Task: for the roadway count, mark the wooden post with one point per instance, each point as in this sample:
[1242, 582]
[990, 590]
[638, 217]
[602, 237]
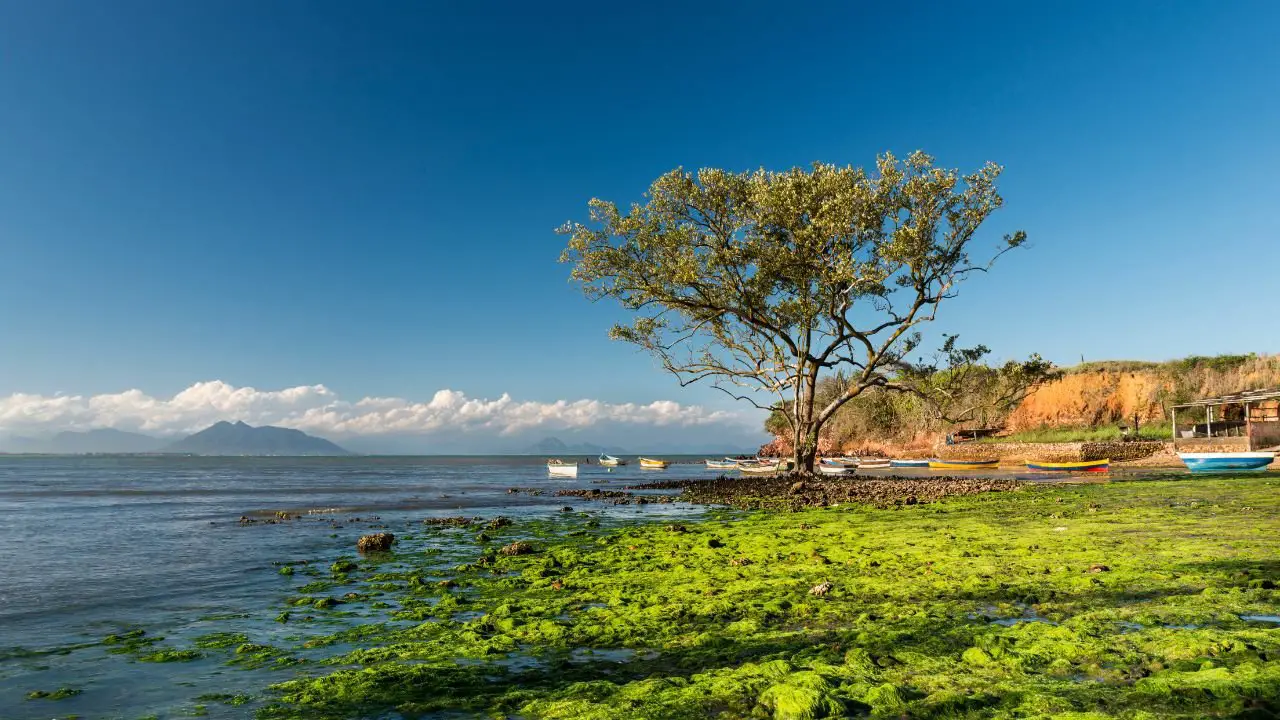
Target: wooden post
[1248, 427]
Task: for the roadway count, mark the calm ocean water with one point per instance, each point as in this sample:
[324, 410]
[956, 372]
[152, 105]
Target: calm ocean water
[91, 546]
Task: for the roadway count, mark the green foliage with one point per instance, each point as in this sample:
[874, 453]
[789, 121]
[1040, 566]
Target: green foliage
[1063, 434]
[762, 282]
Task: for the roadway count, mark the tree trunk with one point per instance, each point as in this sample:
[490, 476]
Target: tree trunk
[804, 451]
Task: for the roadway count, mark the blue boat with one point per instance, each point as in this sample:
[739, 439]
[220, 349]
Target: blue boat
[909, 463]
[1217, 462]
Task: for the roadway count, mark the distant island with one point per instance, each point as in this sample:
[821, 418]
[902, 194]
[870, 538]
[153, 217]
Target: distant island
[556, 446]
[223, 438]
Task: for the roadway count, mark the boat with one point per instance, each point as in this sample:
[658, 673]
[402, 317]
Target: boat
[874, 464]
[765, 468]
[1085, 466]
[721, 464]
[909, 463]
[651, 464]
[559, 468]
[963, 464]
[836, 466]
[610, 461]
[836, 469]
[1212, 462]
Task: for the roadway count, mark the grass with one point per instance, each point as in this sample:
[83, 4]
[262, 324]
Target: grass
[1135, 599]
[1106, 433]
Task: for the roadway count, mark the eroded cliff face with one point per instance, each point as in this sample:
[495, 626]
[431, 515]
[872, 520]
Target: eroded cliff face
[1093, 398]
[1100, 394]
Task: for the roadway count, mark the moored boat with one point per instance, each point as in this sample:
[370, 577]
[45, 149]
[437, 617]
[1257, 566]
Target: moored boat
[559, 468]
[1085, 466]
[1212, 462]
[963, 464]
[610, 461]
[836, 470]
[909, 463]
[765, 468]
[652, 464]
[721, 464]
[836, 466]
[874, 463]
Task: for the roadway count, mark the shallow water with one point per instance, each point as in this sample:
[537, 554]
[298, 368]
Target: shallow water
[91, 546]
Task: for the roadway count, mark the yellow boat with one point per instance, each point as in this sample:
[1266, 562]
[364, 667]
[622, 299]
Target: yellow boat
[963, 464]
[1086, 466]
[651, 464]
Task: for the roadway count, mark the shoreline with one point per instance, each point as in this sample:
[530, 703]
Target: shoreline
[1119, 598]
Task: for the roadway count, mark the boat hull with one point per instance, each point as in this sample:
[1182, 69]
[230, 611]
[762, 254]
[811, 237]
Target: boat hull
[563, 470]
[760, 469]
[963, 464]
[837, 470]
[721, 465]
[874, 464]
[1219, 462]
[650, 464]
[1086, 466]
[909, 463]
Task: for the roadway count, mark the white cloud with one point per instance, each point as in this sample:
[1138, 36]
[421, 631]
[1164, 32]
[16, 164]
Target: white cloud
[317, 409]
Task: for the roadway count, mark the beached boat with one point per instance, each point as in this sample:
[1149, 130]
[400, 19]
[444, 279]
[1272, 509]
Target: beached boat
[610, 461]
[909, 463]
[763, 468]
[837, 469]
[874, 463]
[836, 466]
[721, 464]
[963, 464]
[652, 464]
[1212, 462]
[559, 468]
[1085, 466]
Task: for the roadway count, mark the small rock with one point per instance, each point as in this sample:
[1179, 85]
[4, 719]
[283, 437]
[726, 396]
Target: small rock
[520, 547]
[377, 542]
[1097, 568]
[821, 589]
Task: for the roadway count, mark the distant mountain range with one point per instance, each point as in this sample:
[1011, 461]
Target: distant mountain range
[226, 438]
[222, 438]
[556, 446]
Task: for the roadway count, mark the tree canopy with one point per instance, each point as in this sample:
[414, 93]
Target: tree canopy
[763, 281]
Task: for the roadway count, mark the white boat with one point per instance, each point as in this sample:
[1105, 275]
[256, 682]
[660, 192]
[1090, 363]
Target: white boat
[559, 468]
[837, 466]
[610, 461]
[826, 469]
[874, 463]
[721, 464]
[760, 468]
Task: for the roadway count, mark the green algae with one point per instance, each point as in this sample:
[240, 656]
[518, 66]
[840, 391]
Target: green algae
[1117, 600]
[168, 656]
[61, 693]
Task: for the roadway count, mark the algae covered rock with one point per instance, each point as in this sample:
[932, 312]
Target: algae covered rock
[821, 589]
[377, 542]
[520, 547]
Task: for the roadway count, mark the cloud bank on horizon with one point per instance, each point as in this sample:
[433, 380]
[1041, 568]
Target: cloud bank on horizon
[318, 410]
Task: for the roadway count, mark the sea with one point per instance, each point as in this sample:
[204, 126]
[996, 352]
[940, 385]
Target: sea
[92, 546]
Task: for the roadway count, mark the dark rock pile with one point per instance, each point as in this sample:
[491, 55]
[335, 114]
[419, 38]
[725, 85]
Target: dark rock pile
[785, 492]
[377, 542]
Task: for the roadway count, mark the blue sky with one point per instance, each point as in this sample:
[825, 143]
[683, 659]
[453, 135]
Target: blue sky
[363, 195]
